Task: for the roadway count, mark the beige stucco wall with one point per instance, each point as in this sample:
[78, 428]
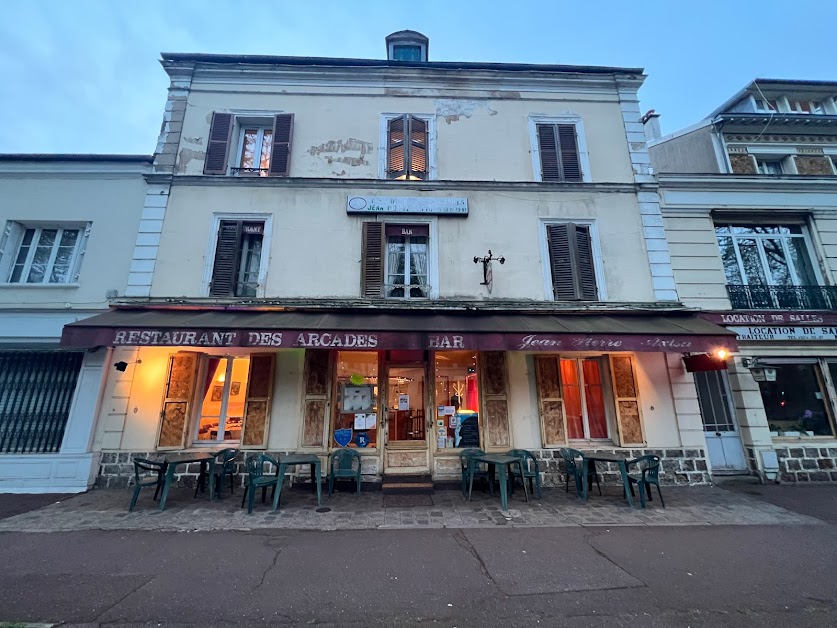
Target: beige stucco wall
[316, 247]
[480, 135]
[112, 203]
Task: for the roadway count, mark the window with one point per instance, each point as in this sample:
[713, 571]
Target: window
[571, 262]
[263, 149]
[395, 260]
[42, 254]
[765, 255]
[222, 399]
[407, 53]
[357, 394]
[805, 106]
[584, 401]
[237, 264]
[254, 152]
[795, 403]
[408, 151]
[558, 152]
[770, 166]
[457, 400]
[766, 105]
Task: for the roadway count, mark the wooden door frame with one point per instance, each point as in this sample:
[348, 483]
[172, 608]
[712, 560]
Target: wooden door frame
[403, 445]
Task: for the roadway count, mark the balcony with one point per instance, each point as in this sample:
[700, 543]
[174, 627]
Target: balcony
[783, 297]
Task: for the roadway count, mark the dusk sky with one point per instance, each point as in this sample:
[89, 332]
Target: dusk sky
[82, 76]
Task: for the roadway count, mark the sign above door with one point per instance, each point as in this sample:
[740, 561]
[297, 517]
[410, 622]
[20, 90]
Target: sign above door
[428, 205]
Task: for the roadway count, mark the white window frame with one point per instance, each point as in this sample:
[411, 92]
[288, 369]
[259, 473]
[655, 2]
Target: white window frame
[432, 256]
[809, 250]
[264, 262]
[583, 156]
[12, 239]
[383, 143]
[261, 128]
[546, 266]
[225, 400]
[241, 120]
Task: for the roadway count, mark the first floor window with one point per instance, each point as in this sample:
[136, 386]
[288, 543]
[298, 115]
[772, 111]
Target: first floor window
[256, 144]
[571, 262]
[395, 260]
[797, 401]
[584, 398]
[238, 257]
[224, 389]
[43, 255]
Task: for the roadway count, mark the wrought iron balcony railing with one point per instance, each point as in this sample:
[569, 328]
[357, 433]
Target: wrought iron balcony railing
[783, 297]
[249, 172]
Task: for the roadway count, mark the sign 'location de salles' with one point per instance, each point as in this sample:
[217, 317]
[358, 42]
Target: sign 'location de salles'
[407, 205]
[777, 332]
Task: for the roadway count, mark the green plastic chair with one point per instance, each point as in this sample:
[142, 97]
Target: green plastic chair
[530, 471]
[256, 478]
[465, 464]
[576, 468]
[224, 465]
[341, 464]
[147, 473]
[649, 473]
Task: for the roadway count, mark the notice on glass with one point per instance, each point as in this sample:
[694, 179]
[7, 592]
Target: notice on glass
[441, 442]
[365, 421]
[403, 402]
[441, 411]
[453, 421]
[450, 410]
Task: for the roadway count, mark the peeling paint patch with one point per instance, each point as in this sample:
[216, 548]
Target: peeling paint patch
[452, 109]
[194, 140]
[351, 152]
[186, 156]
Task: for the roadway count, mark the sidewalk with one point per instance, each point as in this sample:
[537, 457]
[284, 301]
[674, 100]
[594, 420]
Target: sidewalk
[107, 509]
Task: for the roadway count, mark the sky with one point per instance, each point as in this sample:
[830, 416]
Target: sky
[82, 76]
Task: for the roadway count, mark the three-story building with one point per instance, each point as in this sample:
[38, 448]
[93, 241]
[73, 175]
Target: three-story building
[406, 257]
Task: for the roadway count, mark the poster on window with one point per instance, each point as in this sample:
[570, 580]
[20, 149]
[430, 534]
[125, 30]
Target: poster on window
[357, 399]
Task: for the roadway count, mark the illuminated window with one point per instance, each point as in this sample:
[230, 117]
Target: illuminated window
[223, 396]
[408, 147]
[457, 400]
[356, 411]
[254, 154]
[584, 398]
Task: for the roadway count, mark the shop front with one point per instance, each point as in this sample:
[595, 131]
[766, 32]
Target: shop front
[408, 390]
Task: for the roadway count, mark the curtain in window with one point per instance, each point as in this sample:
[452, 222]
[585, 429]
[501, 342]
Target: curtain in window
[594, 397]
[395, 265]
[571, 392]
[418, 261]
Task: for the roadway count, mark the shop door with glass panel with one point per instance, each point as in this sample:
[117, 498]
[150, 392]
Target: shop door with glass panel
[584, 405]
[406, 448]
[723, 441]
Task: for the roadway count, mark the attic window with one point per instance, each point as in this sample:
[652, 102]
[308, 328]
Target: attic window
[407, 46]
[406, 53]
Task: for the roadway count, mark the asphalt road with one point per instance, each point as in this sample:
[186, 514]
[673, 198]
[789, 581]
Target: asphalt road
[695, 576]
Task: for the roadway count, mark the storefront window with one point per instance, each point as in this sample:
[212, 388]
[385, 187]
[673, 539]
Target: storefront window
[796, 401]
[457, 400]
[356, 417]
[581, 383]
[223, 395]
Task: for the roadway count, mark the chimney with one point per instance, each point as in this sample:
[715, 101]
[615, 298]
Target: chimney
[651, 122]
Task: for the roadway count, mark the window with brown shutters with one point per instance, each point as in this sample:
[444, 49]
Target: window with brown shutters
[571, 262]
[280, 155]
[559, 155]
[218, 146]
[394, 260]
[407, 148]
[238, 255]
[372, 262]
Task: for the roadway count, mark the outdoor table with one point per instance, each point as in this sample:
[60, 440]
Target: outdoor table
[621, 462]
[174, 460]
[503, 462]
[291, 460]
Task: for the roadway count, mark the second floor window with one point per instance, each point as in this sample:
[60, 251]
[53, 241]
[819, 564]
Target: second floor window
[262, 149]
[238, 257]
[774, 255]
[571, 262]
[395, 261]
[558, 150]
[42, 255]
[256, 144]
[407, 148]
[770, 166]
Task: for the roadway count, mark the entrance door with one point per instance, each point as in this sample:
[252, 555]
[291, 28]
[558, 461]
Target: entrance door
[723, 441]
[406, 427]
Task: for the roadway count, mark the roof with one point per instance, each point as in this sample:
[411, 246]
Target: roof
[76, 157]
[188, 57]
[744, 91]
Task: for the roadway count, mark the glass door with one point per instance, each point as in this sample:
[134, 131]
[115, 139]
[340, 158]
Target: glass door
[406, 419]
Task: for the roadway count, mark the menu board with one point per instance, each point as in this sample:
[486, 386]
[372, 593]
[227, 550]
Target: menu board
[468, 431]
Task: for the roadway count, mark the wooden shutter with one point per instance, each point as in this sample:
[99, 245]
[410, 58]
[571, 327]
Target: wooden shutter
[280, 154]
[558, 148]
[568, 143]
[571, 262]
[626, 393]
[397, 148]
[259, 400]
[177, 405]
[227, 254]
[493, 384]
[372, 262]
[550, 401]
[315, 404]
[218, 147]
[418, 147]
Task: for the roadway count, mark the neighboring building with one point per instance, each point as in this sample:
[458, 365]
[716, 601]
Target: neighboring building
[749, 198]
[309, 271]
[68, 225]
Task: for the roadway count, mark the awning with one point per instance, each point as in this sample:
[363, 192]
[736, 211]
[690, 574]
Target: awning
[486, 331]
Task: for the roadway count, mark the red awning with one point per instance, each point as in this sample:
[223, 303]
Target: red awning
[364, 330]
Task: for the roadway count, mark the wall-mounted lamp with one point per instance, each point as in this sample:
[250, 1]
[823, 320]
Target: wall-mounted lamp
[487, 274]
[122, 366]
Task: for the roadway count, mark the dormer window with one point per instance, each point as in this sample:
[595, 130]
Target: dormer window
[407, 46]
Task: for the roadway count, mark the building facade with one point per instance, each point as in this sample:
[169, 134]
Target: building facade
[403, 256]
[749, 197]
[68, 225]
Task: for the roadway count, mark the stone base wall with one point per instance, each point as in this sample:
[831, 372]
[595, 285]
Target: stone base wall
[807, 464]
[679, 466]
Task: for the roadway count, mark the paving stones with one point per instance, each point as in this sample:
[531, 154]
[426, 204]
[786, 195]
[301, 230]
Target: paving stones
[106, 509]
